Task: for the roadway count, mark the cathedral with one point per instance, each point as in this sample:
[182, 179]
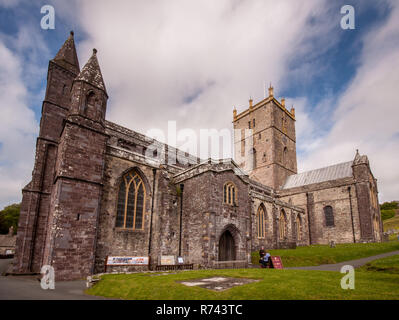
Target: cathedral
[99, 189]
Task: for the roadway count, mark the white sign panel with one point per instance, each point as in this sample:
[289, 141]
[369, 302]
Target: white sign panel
[127, 261]
[167, 260]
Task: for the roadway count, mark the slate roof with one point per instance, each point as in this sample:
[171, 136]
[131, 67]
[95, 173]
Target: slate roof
[7, 241]
[334, 172]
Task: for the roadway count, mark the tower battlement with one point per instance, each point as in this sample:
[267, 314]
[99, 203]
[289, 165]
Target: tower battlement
[266, 145]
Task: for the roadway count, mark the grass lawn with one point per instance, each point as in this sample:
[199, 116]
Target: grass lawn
[274, 284]
[387, 265]
[323, 254]
[392, 223]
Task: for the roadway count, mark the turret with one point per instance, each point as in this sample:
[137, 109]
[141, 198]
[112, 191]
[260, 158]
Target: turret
[89, 95]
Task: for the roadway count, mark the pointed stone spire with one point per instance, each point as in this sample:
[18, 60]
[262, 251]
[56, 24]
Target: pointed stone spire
[91, 73]
[67, 57]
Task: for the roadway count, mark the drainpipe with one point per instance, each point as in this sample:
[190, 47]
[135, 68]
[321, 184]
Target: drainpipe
[181, 216]
[154, 173]
[350, 204]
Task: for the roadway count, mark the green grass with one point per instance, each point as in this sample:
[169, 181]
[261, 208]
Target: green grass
[273, 284]
[323, 254]
[387, 214]
[392, 223]
[393, 237]
[387, 265]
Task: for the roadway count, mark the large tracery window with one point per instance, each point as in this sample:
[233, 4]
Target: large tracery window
[131, 198]
[260, 217]
[229, 193]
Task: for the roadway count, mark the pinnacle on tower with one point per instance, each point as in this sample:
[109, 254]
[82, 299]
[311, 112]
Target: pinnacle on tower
[67, 57]
[270, 90]
[91, 73]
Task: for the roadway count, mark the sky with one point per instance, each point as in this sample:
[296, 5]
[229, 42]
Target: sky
[194, 61]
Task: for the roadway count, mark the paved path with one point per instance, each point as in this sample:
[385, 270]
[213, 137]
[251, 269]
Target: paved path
[355, 263]
[4, 263]
[28, 288]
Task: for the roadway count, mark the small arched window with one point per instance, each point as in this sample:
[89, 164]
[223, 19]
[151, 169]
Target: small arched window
[65, 90]
[253, 154]
[282, 225]
[131, 202]
[284, 124]
[285, 153]
[260, 218]
[298, 228]
[90, 100]
[229, 193]
[329, 216]
[91, 97]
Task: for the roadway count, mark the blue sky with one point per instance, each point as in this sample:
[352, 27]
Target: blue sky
[192, 62]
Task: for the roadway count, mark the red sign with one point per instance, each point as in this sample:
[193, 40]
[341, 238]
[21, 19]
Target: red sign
[276, 262]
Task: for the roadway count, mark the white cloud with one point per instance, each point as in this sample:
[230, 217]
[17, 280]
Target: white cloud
[192, 61]
[366, 117]
[18, 129]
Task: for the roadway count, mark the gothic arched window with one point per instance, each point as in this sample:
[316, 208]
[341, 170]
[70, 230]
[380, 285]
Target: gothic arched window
[229, 193]
[65, 90]
[329, 216]
[285, 152]
[90, 99]
[131, 202]
[254, 163]
[260, 218]
[298, 228]
[282, 225]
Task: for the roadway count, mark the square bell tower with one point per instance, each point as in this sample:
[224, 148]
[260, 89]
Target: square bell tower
[265, 141]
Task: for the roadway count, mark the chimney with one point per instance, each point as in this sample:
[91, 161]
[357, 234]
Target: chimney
[11, 231]
[283, 102]
[250, 102]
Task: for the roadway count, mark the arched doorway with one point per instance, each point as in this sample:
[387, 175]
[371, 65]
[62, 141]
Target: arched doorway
[227, 248]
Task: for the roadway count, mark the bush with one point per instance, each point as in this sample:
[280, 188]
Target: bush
[387, 214]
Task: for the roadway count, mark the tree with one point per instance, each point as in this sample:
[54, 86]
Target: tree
[389, 205]
[9, 217]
